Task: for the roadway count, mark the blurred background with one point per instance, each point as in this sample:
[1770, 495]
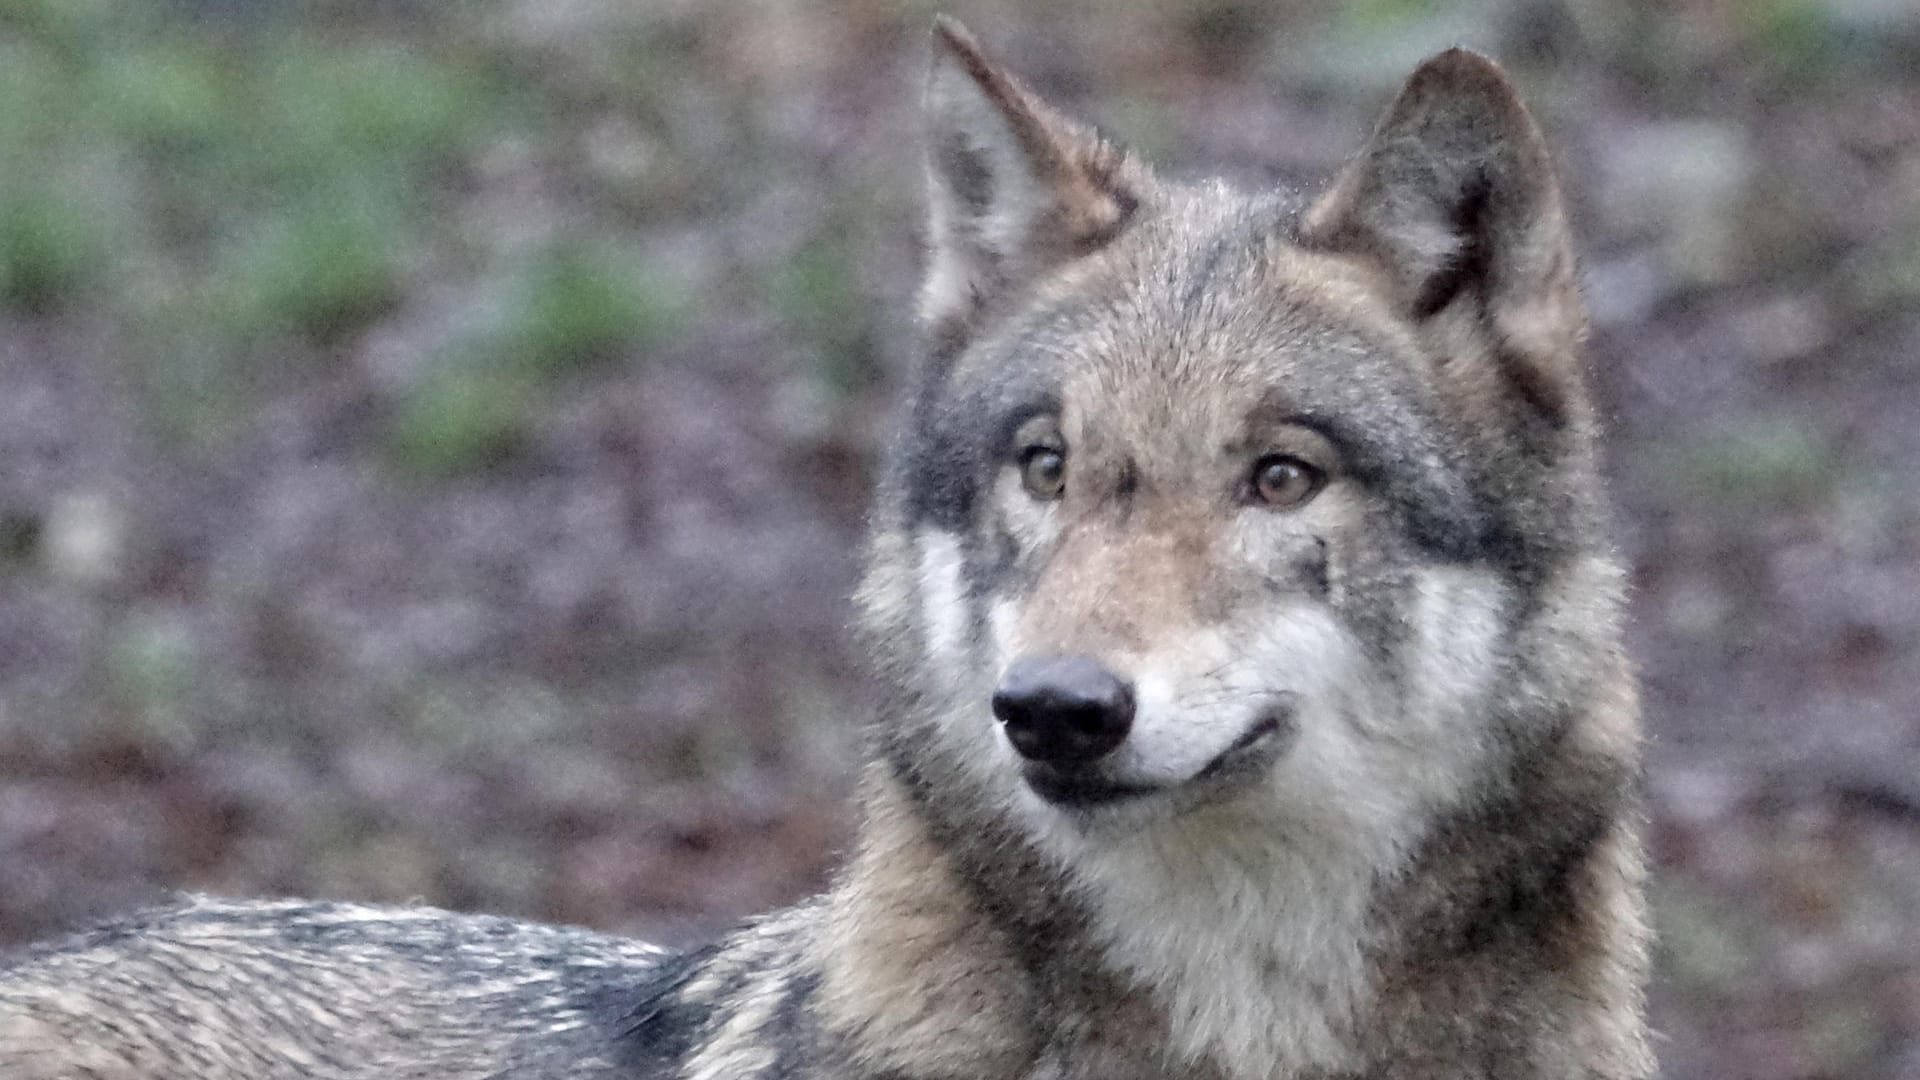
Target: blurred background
[434, 439]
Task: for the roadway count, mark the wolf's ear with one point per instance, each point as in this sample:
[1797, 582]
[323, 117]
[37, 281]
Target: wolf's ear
[1014, 188]
[1455, 201]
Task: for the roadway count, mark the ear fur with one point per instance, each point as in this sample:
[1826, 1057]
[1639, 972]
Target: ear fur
[1454, 201]
[1014, 188]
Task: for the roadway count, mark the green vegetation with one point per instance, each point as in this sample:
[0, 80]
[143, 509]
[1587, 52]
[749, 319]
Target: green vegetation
[249, 201]
[458, 420]
[1801, 38]
[1385, 14]
[325, 269]
[818, 292]
[577, 305]
[51, 247]
[1757, 464]
[570, 307]
[248, 205]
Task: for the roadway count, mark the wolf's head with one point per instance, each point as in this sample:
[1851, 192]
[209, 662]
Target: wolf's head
[1211, 499]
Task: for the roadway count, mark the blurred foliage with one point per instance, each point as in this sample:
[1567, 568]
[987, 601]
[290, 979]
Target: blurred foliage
[818, 291]
[151, 669]
[50, 248]
[573, 306]
[578, 305]
[457, 420]
[1771, 462]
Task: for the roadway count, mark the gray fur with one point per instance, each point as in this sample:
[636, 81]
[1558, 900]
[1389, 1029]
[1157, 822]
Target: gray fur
[1430, 870]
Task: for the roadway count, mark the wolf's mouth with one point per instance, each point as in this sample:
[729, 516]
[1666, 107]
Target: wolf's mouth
[1248, 755]
[1082, 789]
[1254, 750]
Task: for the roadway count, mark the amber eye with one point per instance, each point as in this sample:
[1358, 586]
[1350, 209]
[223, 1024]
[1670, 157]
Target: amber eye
[1285, 482]
[1043, 471]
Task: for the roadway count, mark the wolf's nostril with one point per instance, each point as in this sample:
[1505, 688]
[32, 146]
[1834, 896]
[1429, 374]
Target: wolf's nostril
[1063, 710]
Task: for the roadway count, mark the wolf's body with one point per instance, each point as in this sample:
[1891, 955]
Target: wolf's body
[1270, 534]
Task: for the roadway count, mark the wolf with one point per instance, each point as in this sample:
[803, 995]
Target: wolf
[1254, 698]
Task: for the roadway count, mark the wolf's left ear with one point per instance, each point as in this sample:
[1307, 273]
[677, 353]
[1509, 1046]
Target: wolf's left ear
[1015, 189]
[1455, 201]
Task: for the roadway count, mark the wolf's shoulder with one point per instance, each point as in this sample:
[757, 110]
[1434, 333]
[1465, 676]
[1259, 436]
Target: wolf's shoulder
[337, 989]
[288, 929]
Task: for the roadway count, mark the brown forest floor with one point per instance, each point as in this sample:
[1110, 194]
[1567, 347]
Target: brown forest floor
[433, 448]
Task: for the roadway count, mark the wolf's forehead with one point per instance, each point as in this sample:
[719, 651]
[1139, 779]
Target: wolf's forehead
[1207, 308]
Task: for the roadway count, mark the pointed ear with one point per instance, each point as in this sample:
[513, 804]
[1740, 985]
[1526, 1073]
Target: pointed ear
[1014, 188]
[1455, 202]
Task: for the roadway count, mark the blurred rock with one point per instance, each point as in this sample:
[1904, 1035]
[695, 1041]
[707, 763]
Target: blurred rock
[1682, 185]
[1782, 327]
[84, 540]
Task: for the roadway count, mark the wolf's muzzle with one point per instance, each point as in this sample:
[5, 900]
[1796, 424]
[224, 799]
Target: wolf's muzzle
[1063, 710]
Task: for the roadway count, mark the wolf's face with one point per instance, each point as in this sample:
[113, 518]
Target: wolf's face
[1183, 512]
[1220, 500]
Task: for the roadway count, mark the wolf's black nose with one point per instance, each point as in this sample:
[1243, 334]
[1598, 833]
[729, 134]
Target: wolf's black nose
[1063, 710]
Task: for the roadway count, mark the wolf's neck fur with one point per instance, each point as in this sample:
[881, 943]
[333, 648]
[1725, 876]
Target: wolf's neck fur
[1462, 956]
[1224, 964]
[1214, 966]
[1252, 948]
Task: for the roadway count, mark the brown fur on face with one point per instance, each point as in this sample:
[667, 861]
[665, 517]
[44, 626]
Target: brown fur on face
[1434, 273]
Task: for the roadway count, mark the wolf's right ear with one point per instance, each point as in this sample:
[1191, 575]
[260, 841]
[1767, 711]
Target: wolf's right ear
[1014, 189]
[1454, 200]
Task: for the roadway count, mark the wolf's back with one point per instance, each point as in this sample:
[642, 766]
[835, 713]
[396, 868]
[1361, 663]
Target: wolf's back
[210, 990]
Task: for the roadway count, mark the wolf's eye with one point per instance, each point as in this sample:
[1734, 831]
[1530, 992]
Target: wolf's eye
[1284, 482]
[1043, 471]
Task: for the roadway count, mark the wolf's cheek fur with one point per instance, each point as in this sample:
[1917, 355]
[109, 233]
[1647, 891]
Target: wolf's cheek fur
[1259, 632]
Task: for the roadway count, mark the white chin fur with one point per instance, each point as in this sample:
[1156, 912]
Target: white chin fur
[1247, 916]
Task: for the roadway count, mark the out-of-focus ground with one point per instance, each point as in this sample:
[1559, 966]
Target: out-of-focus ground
[434, 438]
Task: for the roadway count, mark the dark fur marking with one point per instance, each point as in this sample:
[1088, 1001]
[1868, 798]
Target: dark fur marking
[790, 1029]
[1439, 513]
[1534, 894]
[1128, 482]
[1200, 278]
[938, 480]
[1561, 807]
[1455, 534]
[950, 456]
[1001, 556]
[947, 339]
[1543, 393]
[1512, 550]
[1470, 265]
[1313, 569]
[656, 1029]
[967, 173]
